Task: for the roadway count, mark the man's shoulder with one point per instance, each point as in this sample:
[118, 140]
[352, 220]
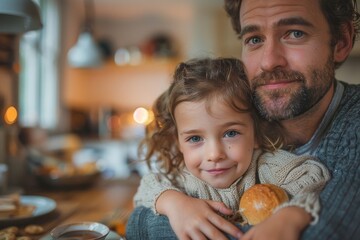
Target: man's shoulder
[350, 103]
[341, 139]
[351, 91]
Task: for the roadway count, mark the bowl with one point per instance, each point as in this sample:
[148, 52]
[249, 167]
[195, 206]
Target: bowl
[68, 181]
[80, 231]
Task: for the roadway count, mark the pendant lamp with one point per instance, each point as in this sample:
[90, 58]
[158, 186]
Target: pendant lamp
[86, 53]
[18, 16]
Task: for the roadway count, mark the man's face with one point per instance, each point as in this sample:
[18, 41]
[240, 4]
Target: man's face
[287, 54]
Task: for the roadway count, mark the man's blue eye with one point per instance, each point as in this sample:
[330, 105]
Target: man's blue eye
[297, 34]
[255, 40]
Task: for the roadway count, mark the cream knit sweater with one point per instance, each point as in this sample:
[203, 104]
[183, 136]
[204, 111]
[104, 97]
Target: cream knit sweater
[302, 177]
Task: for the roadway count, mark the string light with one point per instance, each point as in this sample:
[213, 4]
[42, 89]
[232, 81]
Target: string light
[10, 115]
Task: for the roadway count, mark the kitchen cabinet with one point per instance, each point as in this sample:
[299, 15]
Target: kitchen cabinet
[123, 87]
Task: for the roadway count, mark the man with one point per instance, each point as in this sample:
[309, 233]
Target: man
[291, 49]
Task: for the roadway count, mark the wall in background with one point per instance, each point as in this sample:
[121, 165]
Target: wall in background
[198, 28]
[350, 70]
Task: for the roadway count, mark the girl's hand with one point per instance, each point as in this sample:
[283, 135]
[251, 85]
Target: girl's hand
[193, 218]
[285, 224]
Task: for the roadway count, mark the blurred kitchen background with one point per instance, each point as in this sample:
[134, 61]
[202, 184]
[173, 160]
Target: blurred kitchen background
[80, 88]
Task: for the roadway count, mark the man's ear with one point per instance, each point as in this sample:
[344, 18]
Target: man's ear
[345, 44]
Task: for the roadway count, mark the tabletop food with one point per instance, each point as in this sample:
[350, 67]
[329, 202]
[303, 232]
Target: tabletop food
[11, 207]
[65, 175]
[16, 233]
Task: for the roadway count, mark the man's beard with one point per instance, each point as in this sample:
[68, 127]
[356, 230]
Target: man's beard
[273, 106]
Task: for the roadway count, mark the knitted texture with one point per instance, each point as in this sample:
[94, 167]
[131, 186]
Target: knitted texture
[339, 150]
[300, 176]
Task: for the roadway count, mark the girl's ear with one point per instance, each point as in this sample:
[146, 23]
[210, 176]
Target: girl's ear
[344, 45]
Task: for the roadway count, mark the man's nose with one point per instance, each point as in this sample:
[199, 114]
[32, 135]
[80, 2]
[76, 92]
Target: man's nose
[273, 56]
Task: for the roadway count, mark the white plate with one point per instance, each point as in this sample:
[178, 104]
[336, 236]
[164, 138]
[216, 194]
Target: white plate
[43, 206]
[111, 236]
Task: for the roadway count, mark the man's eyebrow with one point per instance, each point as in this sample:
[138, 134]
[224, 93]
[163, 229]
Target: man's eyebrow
[294, 21]
[248, 29]
[283, 22]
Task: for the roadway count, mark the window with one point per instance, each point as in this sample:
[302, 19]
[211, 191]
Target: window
[39, 75]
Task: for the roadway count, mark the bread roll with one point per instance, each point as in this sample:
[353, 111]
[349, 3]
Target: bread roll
[10, 207]
[259, 201]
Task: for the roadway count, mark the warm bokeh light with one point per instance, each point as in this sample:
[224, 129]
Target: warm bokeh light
[141, 115]
[10, 115]
[151, 117]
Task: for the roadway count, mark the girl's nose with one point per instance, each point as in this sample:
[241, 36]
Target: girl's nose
[215, 152]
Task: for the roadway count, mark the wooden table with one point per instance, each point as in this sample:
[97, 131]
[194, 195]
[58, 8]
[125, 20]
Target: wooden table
[95, 203]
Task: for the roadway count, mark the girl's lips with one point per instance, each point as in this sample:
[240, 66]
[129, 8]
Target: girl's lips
[217, 171]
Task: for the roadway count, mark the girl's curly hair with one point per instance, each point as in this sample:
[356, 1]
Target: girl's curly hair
[206, 79]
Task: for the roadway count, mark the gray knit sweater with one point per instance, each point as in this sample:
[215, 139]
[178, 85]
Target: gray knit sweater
[302, 177]
[339, 150]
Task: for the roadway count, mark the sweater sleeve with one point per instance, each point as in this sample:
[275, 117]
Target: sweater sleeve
[302, 177]
[152, 185]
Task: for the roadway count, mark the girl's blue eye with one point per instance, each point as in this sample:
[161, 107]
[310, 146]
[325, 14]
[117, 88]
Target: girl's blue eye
[194, 139]
[231, 133]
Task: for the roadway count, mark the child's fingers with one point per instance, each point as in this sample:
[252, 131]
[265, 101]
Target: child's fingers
[220, 207]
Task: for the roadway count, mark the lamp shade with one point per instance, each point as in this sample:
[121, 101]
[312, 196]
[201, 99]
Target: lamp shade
[85, 53]
[17, 16]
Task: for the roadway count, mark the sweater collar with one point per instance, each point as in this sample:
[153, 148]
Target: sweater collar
[310, 146]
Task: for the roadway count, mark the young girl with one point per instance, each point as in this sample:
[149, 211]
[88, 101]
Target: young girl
[208, 142]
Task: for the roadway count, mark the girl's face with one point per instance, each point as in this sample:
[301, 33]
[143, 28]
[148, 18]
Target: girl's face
[217, 145]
